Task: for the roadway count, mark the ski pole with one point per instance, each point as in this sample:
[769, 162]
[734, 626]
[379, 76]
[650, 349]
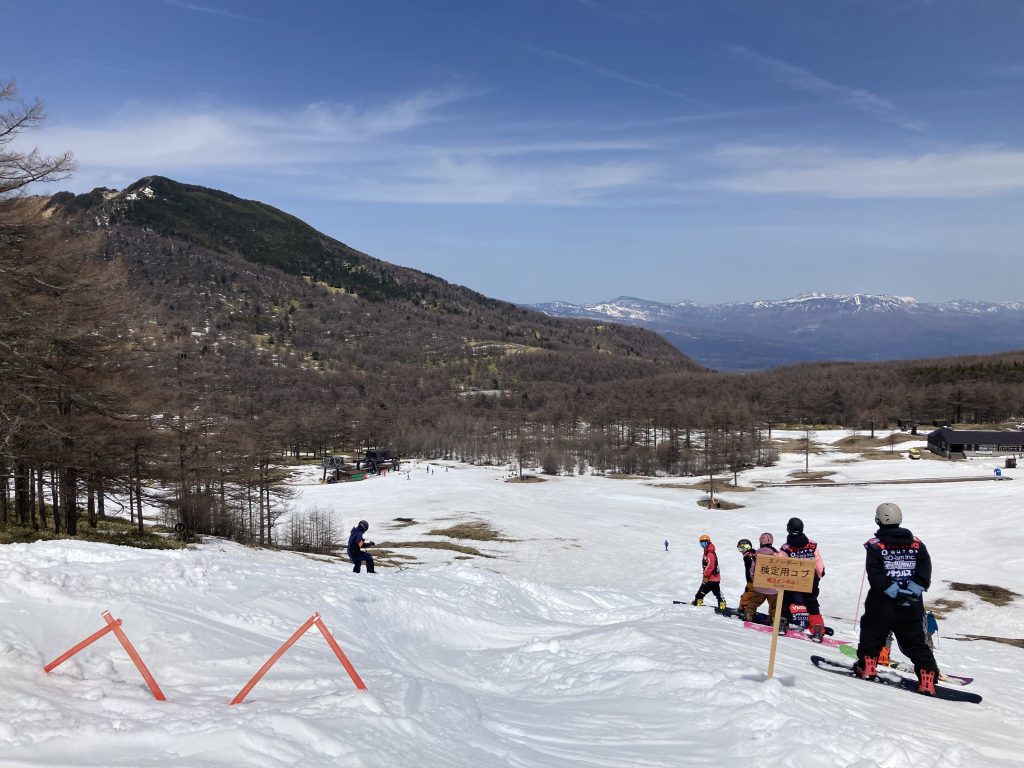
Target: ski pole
[860, 592]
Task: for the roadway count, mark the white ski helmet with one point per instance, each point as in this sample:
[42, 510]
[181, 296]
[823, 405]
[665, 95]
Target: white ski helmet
[888, 514]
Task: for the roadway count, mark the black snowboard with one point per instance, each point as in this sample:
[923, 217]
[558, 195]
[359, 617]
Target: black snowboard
[734, 613]
[886, 677]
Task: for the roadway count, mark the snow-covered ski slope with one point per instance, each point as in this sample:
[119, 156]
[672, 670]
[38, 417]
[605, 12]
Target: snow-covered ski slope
[562, 649]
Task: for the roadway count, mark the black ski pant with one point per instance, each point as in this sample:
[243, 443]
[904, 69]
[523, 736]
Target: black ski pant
[903, 621]
[809, 599]
[713, 587]
[362, 557]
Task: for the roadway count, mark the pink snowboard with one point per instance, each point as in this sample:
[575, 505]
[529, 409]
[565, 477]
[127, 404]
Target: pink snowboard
[799, 634]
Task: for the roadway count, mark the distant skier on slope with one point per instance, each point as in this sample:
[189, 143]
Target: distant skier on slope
[710, 578]
[899, 570]
[799, 546]
[355, 548]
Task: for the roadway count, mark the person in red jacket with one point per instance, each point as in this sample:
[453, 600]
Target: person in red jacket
[711, 578]
[798, 545]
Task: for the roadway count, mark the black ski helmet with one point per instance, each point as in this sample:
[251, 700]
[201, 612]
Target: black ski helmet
[363, 526]
[744, 545]
[795, 525]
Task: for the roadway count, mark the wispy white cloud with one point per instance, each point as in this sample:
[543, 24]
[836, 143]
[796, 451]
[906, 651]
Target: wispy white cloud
[802, 80]
[214, 11]
[471, 180]
[388, 152]
[962, 173]
[612, 74]
[1009, 70]
[186, 136]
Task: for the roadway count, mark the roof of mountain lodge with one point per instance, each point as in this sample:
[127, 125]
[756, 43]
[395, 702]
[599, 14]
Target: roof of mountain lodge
[977, 436]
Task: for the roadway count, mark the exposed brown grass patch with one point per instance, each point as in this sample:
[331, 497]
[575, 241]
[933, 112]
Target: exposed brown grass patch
[860, 443]
[402, 522]
[987, 592]
[816, 475]
[944, 606]
[477, 531]
[526, 479]
[1017, 642]
[430, 545]
[321, 558]
[107, 531]
[718, 504]
[856, 443]
[884, 455]
[706, 487]
[796, 445]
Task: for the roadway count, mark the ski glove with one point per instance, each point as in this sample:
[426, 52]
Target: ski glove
[893, 590]
[912, 589]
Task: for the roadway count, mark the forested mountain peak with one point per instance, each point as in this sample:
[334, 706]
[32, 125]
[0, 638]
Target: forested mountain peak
[259, 233]
[241, 273]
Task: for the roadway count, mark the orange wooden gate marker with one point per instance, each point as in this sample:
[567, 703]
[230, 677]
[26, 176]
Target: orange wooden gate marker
[113, 625]
[314, 619]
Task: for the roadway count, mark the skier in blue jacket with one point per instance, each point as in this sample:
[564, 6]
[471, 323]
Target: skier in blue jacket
[355, 548]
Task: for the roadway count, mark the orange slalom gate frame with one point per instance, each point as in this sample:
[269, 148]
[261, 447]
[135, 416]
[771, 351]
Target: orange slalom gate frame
[113, 625]
[314, 619]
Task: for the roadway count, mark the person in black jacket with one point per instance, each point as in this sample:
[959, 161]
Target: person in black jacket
[799, 546]
[355, 548]
[899, 571]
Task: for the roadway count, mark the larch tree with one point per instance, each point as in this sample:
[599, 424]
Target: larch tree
[61, 325]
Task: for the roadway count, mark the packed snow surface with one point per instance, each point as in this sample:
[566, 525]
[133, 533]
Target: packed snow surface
[561, 647]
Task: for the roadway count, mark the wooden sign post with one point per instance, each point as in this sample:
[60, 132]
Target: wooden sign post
[780, 572]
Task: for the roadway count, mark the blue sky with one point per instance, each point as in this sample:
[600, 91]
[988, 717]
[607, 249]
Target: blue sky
[576, 150]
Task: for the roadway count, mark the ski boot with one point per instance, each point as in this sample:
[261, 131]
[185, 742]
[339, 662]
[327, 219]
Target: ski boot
[783, 625]
[816, 627]
[721, 605]
[883, 656]
[697, 602]
[870, 669]
[926, 682]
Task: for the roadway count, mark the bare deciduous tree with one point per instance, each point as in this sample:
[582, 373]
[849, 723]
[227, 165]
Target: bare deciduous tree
[18, 169]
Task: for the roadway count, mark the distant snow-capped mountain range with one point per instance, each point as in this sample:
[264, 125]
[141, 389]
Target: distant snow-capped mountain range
[814, 326]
